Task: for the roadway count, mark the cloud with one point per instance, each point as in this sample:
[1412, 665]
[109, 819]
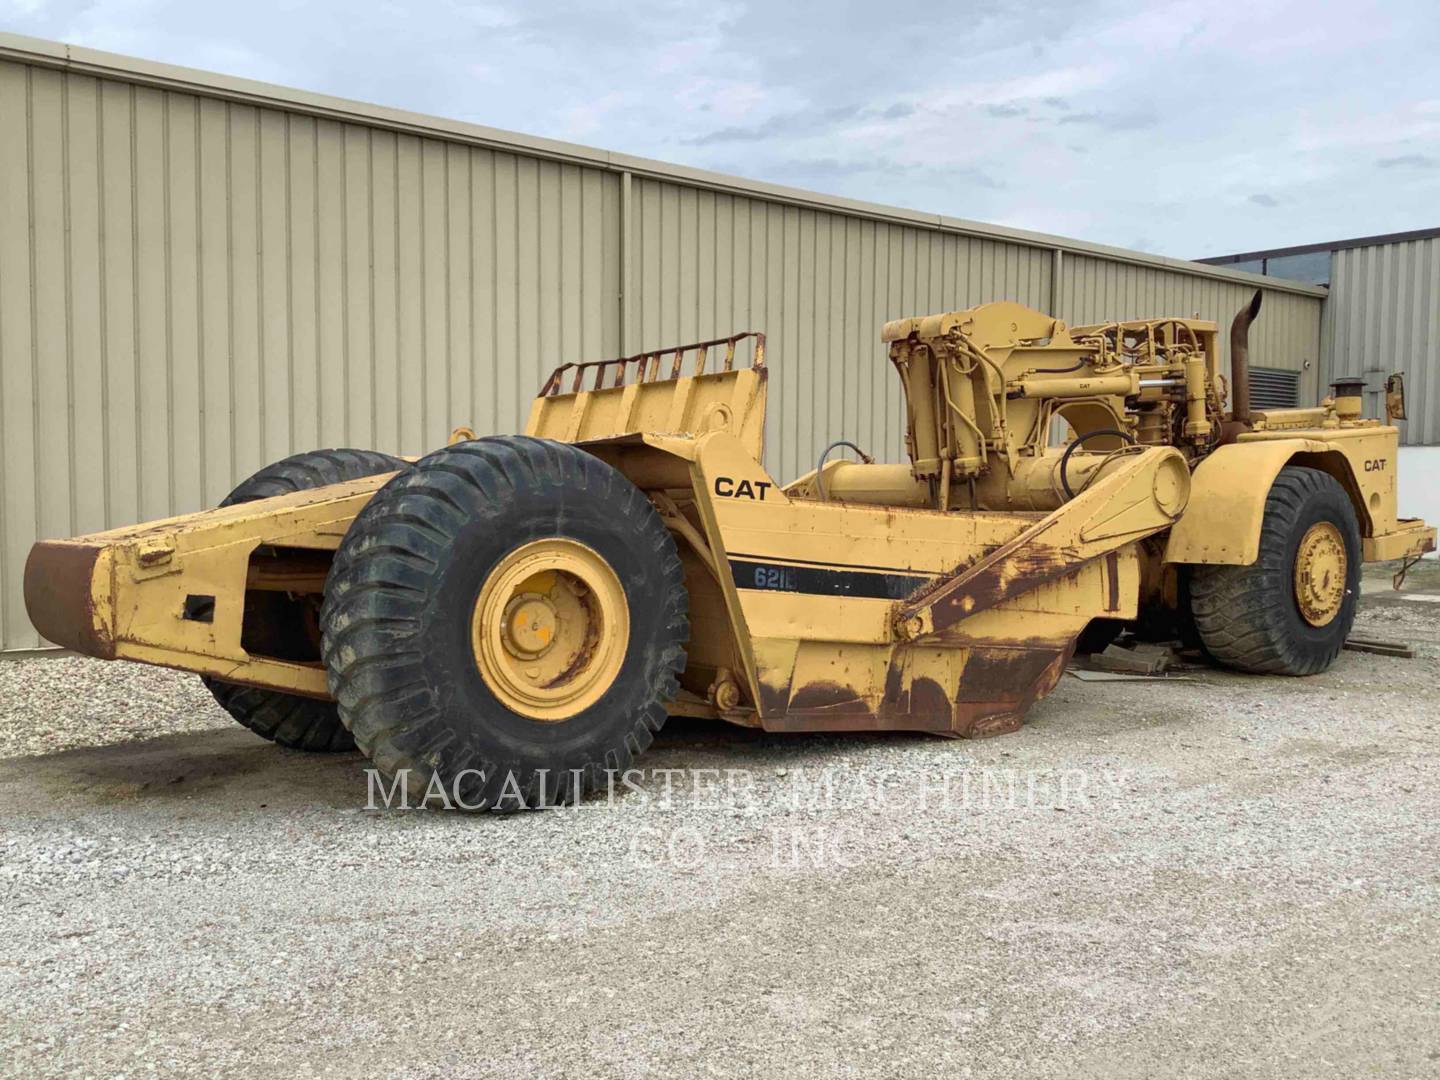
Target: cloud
[819, 171]
[1261, 199]
[1112, 121]
[1006, 109]
[806, 123]
[1408, 161]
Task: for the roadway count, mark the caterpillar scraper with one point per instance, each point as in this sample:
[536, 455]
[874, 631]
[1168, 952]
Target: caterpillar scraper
[517, 615]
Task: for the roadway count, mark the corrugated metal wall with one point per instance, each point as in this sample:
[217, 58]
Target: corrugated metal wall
[820, 285]
[1383, 315]
[192, 288]
[193, 285]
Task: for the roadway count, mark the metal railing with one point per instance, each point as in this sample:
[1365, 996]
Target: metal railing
[646, 367]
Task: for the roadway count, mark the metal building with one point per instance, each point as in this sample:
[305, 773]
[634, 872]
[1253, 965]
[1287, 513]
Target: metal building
[1382, 314]
[201, 274]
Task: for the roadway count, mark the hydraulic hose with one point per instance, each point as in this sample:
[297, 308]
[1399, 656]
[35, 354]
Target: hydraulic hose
[1097, 433]
[820, 465]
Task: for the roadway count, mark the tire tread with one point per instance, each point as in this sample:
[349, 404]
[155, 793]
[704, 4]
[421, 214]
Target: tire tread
[394, 717]
[298, 723]
[1241, 611]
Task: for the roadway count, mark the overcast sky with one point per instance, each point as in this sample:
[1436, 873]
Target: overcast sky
[1186, 128]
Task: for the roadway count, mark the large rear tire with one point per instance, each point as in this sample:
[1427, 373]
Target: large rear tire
[288, 625]
[507, 618]
[1290, 611]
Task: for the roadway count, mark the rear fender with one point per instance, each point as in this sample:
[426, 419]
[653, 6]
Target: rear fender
[1221, 525]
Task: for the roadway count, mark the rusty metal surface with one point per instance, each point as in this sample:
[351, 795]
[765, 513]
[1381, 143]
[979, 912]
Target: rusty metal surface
[650, 366]
[1010, 571]
[290, 570]
[1126, 506]
[1240, 360]
[997, 686]
[60, 600]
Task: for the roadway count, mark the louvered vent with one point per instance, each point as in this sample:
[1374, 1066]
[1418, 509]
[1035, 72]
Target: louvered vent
[1274, 388]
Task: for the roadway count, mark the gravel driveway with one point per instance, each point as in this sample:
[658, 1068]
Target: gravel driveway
[1225, 875]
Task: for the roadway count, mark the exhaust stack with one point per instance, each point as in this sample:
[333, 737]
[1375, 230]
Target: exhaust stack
[1240, 360]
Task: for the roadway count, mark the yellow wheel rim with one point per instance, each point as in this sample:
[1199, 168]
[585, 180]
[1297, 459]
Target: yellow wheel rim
[1320, 573]
[550, 629]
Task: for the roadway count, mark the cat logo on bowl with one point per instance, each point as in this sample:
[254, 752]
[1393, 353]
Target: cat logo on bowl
[728, 488]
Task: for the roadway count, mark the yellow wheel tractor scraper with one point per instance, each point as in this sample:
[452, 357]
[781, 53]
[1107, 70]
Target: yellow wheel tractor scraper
[515, 615]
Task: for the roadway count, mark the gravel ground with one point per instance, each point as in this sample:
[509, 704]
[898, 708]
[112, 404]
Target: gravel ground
[1225, 875]
[65, 702]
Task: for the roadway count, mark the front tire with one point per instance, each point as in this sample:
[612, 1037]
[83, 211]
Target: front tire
[509, 618]
[1289, 612]
[287, 625]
